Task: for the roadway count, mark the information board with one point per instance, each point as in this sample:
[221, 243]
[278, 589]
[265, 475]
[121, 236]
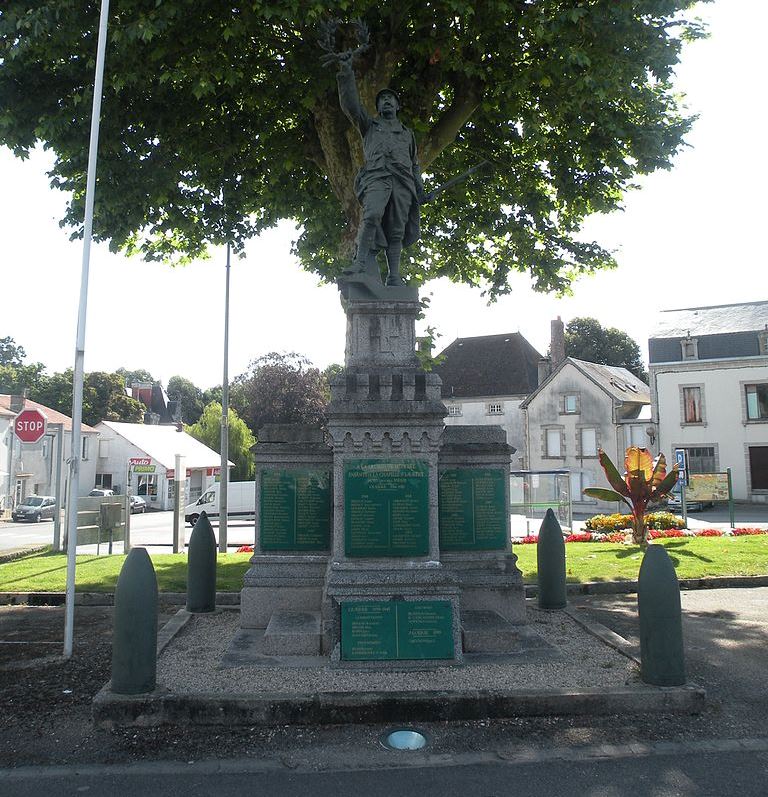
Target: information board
[396, 630]
[295, 510]
[386, 507]
[472, 509]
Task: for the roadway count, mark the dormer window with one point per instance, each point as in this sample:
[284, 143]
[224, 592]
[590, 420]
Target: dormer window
[762, 341]
[690, 348]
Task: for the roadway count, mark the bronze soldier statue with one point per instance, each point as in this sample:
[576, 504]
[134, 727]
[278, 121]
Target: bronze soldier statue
[389, 185]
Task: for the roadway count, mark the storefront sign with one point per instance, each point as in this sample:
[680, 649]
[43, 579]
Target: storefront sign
[386, 507]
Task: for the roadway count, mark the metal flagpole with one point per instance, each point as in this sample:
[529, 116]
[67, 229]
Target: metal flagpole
[77, 381]
[224, 476]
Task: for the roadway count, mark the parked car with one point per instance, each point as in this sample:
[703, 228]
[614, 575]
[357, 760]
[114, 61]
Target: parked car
[99, 492]
[35, 508]
[138, 504]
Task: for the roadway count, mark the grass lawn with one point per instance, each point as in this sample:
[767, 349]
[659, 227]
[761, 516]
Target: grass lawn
[693, 558]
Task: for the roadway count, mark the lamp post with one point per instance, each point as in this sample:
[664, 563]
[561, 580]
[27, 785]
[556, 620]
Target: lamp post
[224, 476]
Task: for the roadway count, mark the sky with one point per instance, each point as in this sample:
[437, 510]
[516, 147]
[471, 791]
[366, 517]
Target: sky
[692, 236]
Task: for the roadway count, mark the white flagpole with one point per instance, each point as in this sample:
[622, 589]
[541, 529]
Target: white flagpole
[77, 381]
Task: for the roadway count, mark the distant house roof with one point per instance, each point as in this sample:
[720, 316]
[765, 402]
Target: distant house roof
[162, 443]
[715, 320]
[489, 365]
[53, 415]
[619, 383]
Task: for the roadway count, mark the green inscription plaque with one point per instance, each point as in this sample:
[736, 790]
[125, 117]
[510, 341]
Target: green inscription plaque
[472, 509]
[295, 510]
[396, 630]
[386, 507]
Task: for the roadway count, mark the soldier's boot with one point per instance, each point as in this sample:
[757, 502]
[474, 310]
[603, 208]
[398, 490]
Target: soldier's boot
[363, 255]
[393, 265]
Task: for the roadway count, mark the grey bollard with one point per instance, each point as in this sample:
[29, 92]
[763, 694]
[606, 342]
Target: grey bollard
[134, 642]
[550, 564]
[662, 661]
[201, 567]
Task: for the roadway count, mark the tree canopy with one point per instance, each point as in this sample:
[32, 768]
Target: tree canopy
[586, 339]
[208, 431]
[189, 395]
[218, 121]
[280, 388]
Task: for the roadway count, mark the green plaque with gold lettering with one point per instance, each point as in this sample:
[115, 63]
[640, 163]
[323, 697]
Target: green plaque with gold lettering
[295, 510]
[396, 630]
[386, 507]
[472, 509]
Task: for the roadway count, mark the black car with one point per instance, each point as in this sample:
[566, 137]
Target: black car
[35, 508]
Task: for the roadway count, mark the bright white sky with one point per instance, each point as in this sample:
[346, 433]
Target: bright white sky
[689, 237]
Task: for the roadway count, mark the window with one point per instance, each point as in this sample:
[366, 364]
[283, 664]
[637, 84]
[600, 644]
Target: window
[454, 410]
[758, 467]
[496, 408]
[579, 482]
[588, 442]
[690, 348]
[757, 402]
[762, 341]
[553, 448]
[701, 459]
[692, 405]
[104, 481]
[570, 404]
[85, 447]
[634, 435]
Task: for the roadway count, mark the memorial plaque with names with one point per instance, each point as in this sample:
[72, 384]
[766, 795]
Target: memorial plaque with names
[295, 510]
[472, 509]
[386, 507]
[396, 630]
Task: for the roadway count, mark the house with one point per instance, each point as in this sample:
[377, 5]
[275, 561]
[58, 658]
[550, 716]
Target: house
[30, 468]
[709, 386]
[580, 407]
[141, 459]
[485, 379]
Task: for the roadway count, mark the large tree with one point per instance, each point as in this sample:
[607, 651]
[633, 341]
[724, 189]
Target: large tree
[218, 121]
[280, 388]
[587, 339]
[189, 395]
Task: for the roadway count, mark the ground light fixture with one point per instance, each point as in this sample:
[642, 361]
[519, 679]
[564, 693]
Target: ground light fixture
[404, 739]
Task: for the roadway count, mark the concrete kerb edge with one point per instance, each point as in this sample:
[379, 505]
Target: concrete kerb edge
[233, 598]
[611, 638]
[165, 708]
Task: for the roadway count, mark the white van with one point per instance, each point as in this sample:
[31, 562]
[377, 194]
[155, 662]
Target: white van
[241, 502]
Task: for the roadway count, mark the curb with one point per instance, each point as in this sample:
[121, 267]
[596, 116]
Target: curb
[333, 708]
[20, 553]
[233, 598]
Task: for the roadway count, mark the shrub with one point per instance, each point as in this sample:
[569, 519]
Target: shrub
[658, 521]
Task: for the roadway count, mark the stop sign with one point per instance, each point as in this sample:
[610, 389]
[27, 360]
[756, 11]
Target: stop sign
[30, 425]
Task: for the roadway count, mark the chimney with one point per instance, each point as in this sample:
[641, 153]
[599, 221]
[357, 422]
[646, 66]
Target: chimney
[18, 401]
[545, 369]
[557, 346]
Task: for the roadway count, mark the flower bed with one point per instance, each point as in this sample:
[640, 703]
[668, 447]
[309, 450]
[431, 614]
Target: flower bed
[622, 537]
[657, 521]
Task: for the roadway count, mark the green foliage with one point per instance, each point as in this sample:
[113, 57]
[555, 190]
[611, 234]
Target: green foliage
[217, 121]
[618, 522]
[586, 339]
[10, 353]
[280, 388]
[104, 397]
[138, 375]
[208, 431]
[190, 396]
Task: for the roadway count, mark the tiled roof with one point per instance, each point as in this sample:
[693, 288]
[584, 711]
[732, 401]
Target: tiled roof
[162, 443]
[489, 365]
[715, 320]
[52, 415]
[619, 382]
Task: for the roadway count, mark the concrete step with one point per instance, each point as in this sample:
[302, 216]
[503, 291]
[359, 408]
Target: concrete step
[487, 632]
[293, 634]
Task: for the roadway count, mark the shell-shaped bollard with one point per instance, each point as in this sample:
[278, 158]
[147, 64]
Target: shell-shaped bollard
[201, 568]
[134, 641]
[550, 561]
[662, 660]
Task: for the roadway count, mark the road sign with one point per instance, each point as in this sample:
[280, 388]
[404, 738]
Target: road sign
[30, 425]
[681, 458]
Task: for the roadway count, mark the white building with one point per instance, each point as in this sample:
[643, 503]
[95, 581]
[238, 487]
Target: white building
[579, 408]
[140, 459]
[485, 379]
[30, 468]
[709, 385]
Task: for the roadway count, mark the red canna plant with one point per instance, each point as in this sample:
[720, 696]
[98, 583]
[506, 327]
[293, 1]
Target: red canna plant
[645, 480]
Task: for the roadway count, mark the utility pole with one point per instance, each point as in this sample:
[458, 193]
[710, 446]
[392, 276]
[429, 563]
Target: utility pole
[224, 476]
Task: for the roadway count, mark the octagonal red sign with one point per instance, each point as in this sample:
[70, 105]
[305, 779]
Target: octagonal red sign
[30, 425]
